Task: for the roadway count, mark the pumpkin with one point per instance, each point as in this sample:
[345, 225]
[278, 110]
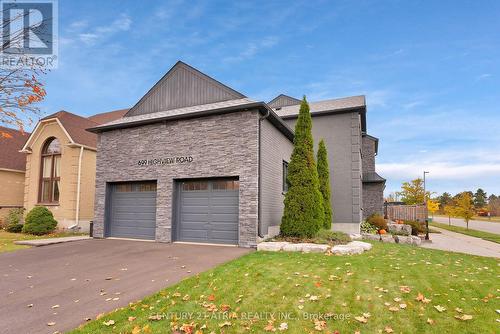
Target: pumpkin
[382, 231]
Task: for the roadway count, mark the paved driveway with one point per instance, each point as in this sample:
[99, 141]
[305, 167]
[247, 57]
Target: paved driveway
[80, 276]
[480, 225]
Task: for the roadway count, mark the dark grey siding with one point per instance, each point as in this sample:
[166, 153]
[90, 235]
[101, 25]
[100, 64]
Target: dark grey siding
[275, 148]
[342, 135]
[368, 155]
[373, 198]
[183, 86]
[283, 101]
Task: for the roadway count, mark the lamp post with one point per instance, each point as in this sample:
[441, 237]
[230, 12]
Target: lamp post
[426, 218]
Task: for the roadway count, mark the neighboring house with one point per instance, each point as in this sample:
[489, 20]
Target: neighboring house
[12, 168]
[60, 167]
[357, 190]
[197, 161]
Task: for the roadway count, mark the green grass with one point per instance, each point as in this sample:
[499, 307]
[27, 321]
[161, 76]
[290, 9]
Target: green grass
[473, 233]
[7, 239]
[264, 283]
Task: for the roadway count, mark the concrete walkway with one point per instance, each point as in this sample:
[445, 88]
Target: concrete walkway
[461, 243]
[50, 241]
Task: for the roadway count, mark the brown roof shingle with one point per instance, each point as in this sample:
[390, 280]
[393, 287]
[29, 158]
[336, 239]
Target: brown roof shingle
[106, 117]
[10, 145]
[76, 125]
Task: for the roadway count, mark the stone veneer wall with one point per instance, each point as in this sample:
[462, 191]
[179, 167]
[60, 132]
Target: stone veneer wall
[373, 198]
[221, 146]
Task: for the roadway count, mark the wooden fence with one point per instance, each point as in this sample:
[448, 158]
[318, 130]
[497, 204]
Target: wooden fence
[406, 212]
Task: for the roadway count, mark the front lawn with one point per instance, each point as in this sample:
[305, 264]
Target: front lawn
[7, 239]
[392, 288]
[473, 233]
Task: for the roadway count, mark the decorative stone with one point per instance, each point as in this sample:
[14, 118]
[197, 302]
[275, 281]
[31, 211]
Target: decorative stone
[292, 247]
[271, 246]
[401, 229]
[314, 248]
[347, 250]
[365, 245]
[356, 236]
[415, 240]
[368, 236]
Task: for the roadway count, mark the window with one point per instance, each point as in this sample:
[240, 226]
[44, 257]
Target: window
[50, 172]
[285, 176]
[226, 185]
[135, 187]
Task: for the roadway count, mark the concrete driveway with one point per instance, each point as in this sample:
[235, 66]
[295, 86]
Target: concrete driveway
[480, 225]
[67, 283]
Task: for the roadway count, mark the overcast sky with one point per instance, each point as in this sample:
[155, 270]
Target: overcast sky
[429, 69]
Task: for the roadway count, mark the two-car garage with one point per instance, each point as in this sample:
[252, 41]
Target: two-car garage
[205, 210]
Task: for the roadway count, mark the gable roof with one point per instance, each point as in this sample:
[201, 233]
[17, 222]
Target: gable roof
[10, 157]
[325, 107]
[75, 126]
[109, 116]
[283, 100]
[183, 86]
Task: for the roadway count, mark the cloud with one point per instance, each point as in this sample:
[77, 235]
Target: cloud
[483, 76]
[438, 171]
[252, 48]
[121, 24]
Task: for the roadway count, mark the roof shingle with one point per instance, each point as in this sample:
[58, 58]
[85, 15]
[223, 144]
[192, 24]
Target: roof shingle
[10, 145]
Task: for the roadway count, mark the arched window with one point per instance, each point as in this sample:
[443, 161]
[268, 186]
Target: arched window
[50, 171]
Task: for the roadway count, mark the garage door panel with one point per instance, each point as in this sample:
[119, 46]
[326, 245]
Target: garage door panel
[133, 210]
[211, 215]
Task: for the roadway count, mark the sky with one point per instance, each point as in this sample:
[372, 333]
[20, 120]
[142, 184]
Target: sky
[430, 70]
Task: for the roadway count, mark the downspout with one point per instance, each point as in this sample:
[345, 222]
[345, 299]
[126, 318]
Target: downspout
[79, 177]
[259, 225]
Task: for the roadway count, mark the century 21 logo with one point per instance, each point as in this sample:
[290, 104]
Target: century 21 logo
[27, 27]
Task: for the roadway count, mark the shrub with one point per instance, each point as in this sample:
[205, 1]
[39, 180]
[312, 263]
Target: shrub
[331, 237]
[303, 215]
[378, 221]
[366, 227]
[324, 183]
[14, 228]
[39, 221]
[416, 227]
[13, 222]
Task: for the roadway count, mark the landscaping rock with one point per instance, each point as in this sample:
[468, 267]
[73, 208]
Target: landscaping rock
[368, 236]
[365, 245]
[388, 238]
[415, 240]
[401, 229]
[315, 248]
[356, 236]
[293, 247]
[271, 246]
[347, 250]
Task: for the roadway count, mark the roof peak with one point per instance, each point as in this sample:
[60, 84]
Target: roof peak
[183, 86]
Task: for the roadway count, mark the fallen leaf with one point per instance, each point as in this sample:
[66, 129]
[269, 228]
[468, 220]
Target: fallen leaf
[55, 306]
[430, 321]
[51, 323]
[439, 308]
[30, 305]
[283, 326]
[361, 319]
[131, 318]
[388, 329]
[402, 306]
[108, 323]
[405, 289]
[464, 317]
[136, 330]
[155, 317]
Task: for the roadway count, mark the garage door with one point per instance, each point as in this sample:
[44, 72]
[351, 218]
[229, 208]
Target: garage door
[132, 213]
[208, 211]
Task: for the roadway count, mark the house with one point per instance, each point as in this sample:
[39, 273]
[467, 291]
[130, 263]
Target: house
[60, 167]
[351, 152]
[196, 161]
[12, 169]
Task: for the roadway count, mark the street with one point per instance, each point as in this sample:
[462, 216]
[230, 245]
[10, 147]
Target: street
[486, 226]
